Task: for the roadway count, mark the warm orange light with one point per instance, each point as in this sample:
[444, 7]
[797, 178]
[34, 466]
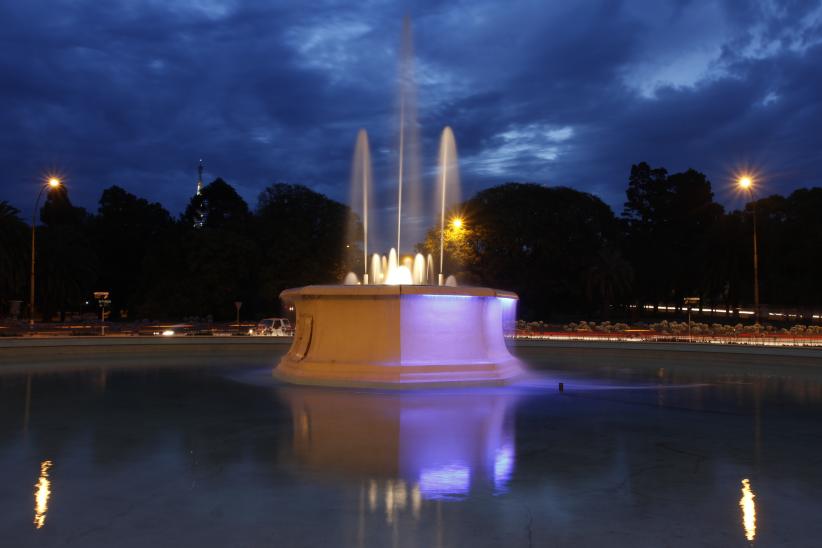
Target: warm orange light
[54, 182]
[745, 182]
[456, 222]
[42, 494]
[748, 506]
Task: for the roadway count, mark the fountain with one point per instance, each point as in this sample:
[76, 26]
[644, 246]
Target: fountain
[397, 325]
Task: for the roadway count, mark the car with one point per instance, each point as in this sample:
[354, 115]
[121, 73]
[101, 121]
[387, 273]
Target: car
[274, 327]
[176, 330]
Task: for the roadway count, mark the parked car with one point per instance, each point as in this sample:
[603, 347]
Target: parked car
[274, 327]
[176, 330]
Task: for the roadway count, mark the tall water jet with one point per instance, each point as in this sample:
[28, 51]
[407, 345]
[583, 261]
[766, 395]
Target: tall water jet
[448, 180]
[408, 149]
[361, 196]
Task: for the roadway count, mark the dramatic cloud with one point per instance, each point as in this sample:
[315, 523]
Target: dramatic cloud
[134, 93]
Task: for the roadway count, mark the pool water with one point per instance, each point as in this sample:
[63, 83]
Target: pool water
[229, 457]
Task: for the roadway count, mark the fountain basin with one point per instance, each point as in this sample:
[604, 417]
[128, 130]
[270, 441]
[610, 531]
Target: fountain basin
[399, 336]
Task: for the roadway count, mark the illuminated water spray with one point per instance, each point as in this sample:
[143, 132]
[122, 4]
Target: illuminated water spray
[395, 268]
[361, 193]
[448, 175]
[428, 336]
[408, 184]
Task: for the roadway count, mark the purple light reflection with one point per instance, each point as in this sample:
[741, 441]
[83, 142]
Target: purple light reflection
[503, 467]
[445, 482]
[440, 444]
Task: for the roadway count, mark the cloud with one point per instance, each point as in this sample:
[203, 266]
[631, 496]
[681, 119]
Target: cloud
[134, 93]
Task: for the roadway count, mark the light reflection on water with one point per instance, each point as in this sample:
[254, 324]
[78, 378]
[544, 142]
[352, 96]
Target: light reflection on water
[430, 445]
[644, 455]
[42, 493]
[748, 510]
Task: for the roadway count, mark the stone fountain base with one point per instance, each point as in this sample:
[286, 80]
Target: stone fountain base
[399, 336]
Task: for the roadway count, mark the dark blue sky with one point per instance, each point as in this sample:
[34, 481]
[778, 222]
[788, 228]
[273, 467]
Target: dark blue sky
[560, 93]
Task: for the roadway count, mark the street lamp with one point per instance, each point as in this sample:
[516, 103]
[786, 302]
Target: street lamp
[456, 222]
[746, 183]
[51, 183]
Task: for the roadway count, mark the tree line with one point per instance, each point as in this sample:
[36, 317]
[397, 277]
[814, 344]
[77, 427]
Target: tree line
[157, 267]
[564, 251]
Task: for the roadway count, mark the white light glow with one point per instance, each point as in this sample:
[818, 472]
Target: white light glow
[42, 494]
[748, 506]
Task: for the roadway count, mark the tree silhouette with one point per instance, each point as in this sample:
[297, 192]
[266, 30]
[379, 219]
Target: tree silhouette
[14, 255]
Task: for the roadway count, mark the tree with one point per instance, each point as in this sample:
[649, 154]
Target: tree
[66, 263]
[123, 231]
[200, 272]
[538, 241]
[14, 255]
[609, 279]
[218, 206]
[59, 211]
[669, 222]
[801, 248]
[459, 256]
[301, 234]
[201, 268]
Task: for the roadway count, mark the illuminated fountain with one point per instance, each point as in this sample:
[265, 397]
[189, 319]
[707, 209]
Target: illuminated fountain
[399, 324]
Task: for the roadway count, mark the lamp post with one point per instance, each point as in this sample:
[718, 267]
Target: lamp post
[746, 183]
[53, 182]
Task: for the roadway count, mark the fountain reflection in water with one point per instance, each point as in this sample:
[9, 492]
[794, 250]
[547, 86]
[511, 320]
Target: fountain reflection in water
[408, 447]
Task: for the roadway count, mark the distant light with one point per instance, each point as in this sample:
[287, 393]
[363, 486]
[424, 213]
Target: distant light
[42, 494]
[748, 506]
[745, 181]
[54, 182]
[456, 222]
[168, 333]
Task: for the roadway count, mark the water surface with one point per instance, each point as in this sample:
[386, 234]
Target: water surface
[228, 457]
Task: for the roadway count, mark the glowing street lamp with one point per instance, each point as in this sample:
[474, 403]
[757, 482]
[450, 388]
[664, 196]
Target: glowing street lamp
[746, 183]
[51, 183]
[456, 223]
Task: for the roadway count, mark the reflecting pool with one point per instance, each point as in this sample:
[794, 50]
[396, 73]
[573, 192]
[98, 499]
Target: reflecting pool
[650, 456]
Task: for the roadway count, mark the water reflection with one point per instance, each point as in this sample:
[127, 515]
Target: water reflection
[42, 493]
[407, 447]
[748, 510]
[383, 466]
